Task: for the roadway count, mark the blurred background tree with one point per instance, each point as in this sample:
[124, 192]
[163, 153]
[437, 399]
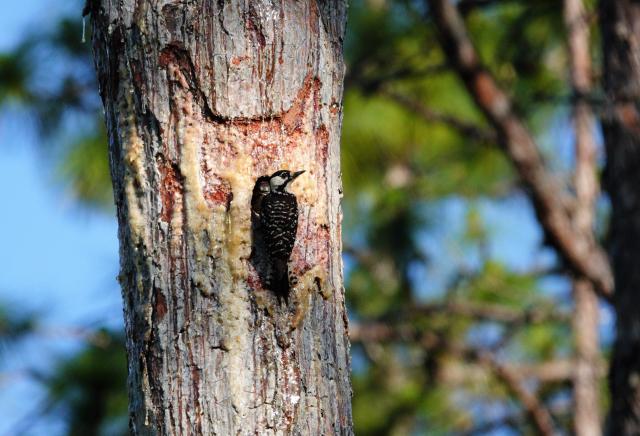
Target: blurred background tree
[460, 300]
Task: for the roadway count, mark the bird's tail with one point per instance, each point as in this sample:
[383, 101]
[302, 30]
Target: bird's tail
[280, 280]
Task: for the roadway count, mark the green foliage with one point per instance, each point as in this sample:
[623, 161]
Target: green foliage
[385, 39]
[85, 167]
[379, 136]
[59, 97]
[14, 325]
[13, 74]
[495, 284]
[91, 387]
[526, 52]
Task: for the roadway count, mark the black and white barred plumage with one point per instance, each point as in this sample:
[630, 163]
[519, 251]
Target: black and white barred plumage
[278, 214]
[280, 223]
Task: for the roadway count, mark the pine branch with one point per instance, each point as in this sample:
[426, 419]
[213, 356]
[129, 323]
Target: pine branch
[584, 256]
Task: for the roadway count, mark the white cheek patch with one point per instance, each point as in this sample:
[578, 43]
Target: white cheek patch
[276, 181]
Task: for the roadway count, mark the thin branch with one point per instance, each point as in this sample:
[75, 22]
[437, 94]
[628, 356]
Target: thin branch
[429, 115]
[378, 332]
[552, 371]
[354, 77]
[491, 312]
[91, 336]
[558, 370]
[476, 310]
[467, 6]
[585, 257]
[537, 412]
[586, 413]
[514, 422]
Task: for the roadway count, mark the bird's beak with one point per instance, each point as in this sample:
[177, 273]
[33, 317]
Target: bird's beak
[296, 174]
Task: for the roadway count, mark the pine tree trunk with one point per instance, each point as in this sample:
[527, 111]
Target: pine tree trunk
[620, 21]
[201, 98]
[586, 380]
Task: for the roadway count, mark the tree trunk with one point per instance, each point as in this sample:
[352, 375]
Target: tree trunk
[201, 98]
[586, 386]
[620, 21]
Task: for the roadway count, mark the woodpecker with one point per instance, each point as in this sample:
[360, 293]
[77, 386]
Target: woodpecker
[277, 211]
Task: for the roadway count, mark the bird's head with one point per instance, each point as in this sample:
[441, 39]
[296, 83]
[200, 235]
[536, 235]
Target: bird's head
[279, 180]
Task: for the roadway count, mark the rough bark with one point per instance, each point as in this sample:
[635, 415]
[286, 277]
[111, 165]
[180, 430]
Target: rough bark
[586, 386]
[201, 98]
[620, 23]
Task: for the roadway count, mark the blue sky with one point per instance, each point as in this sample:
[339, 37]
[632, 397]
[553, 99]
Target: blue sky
[58, 259]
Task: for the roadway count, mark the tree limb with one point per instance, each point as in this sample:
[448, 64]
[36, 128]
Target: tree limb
[584, 257]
